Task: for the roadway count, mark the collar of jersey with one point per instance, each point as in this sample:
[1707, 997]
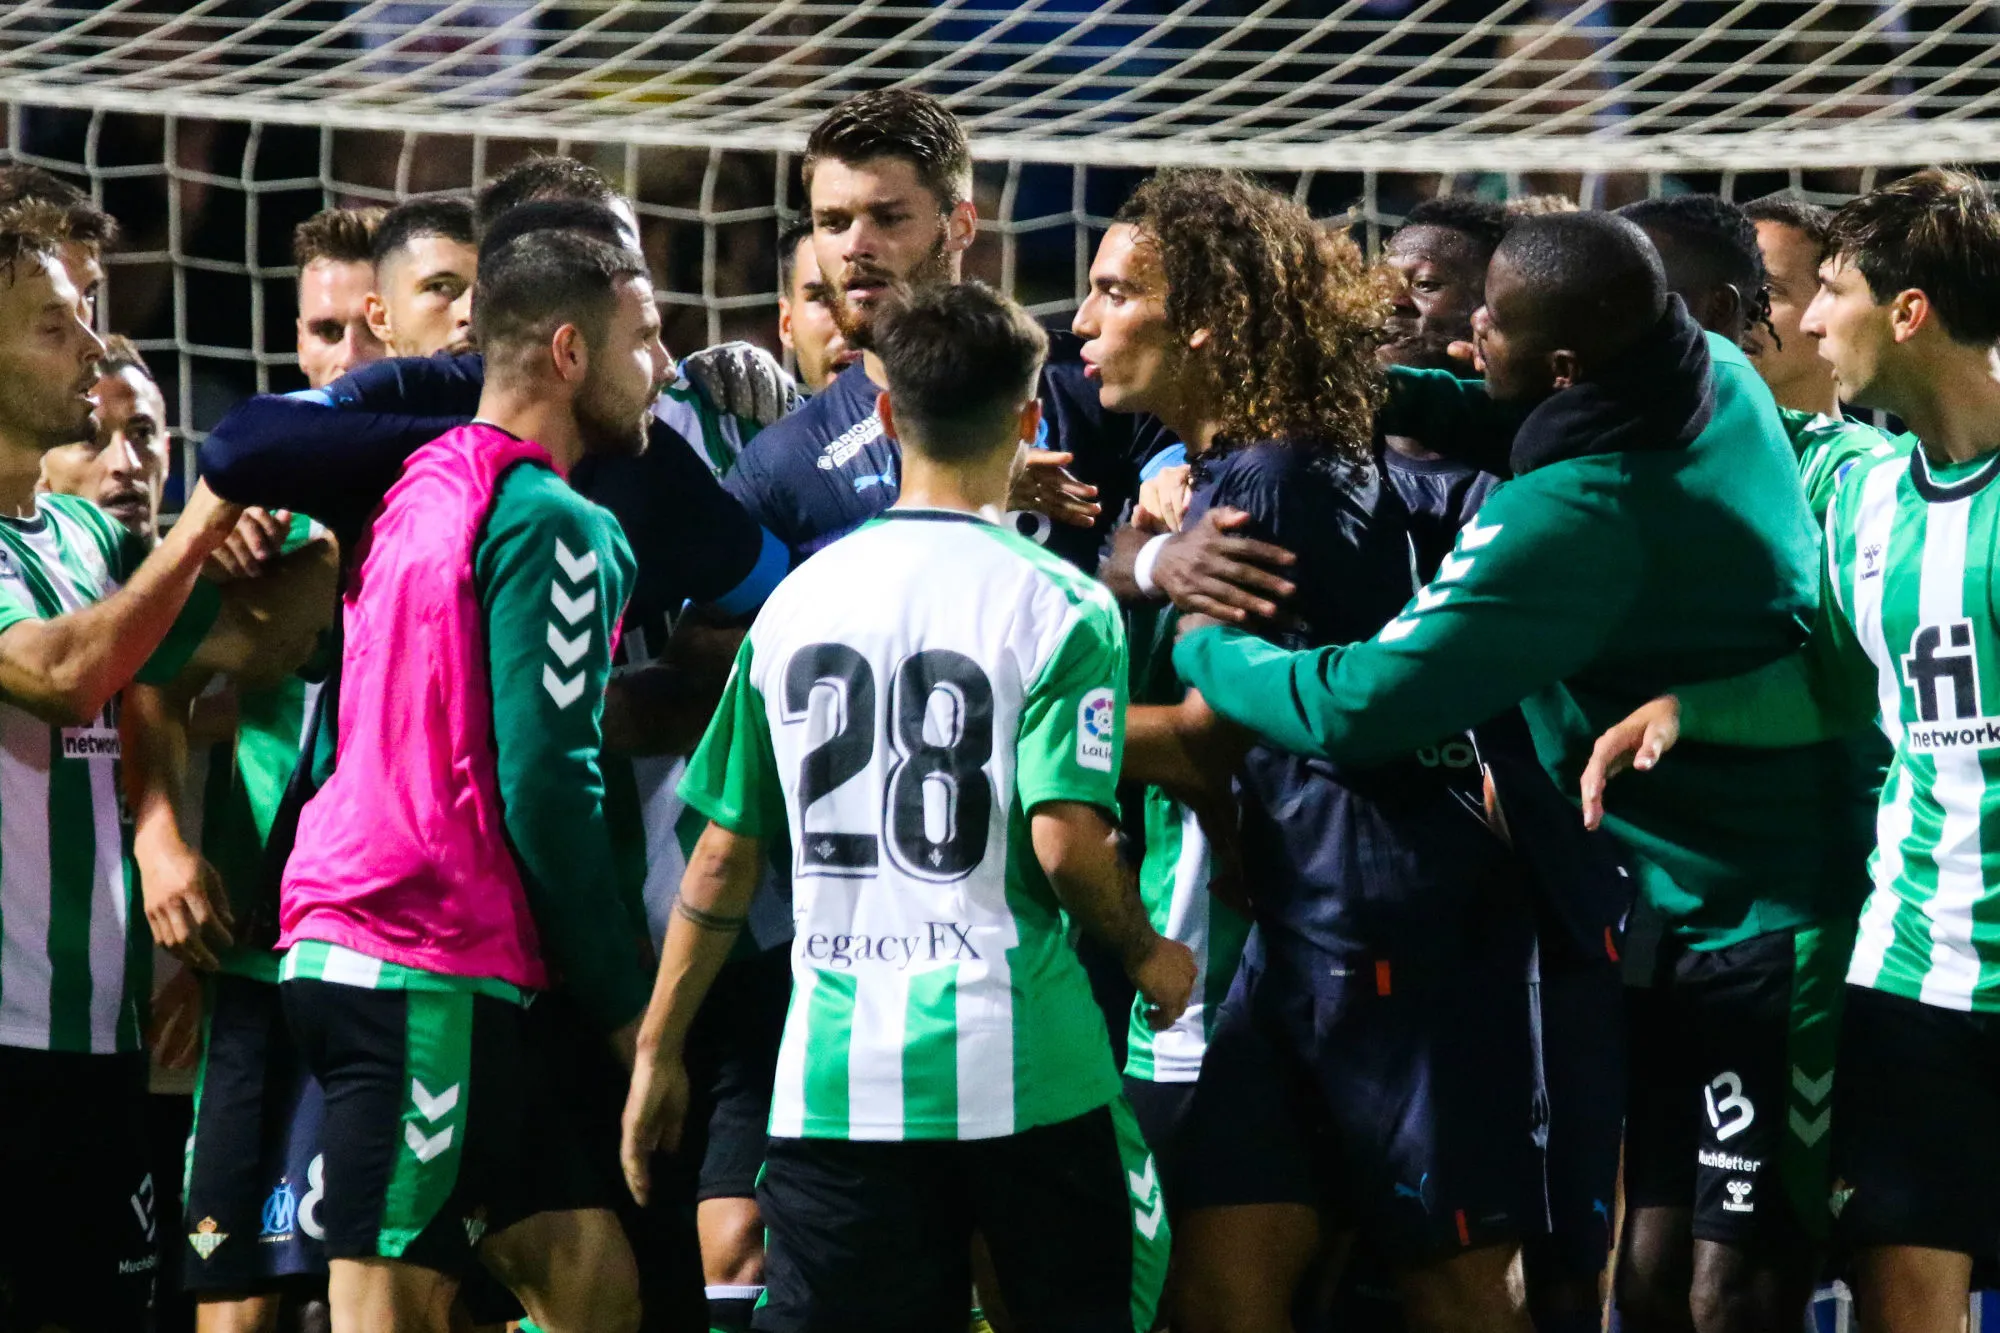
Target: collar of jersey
[937, 516]
[1934, 491]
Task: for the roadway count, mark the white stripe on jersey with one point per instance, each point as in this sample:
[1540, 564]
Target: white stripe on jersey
[788, 1086]
[1959, 787]
[985, 1048]
[875, 1070]
[25, 1019]
[109, 929]
[1177, 1052]
[1874, 523]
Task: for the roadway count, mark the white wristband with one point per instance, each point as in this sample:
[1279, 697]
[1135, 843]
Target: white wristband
[1142, 567]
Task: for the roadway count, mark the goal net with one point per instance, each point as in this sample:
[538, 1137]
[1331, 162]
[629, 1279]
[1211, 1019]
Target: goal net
[211, 127]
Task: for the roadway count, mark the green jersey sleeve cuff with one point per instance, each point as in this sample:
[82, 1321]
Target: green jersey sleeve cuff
[190, 627]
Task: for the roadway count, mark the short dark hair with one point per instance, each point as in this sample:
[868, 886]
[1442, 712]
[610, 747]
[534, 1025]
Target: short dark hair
[1936, 231]
[961, 359]
[83, 220]
[1708, 241]
[446, 215]
[540, 177]
[794, 234]
[537, 282]
[1594, 279]
[120, 353]
[337, 235]
[1480, 220]
[897, 122]
[1788, 210]
[575, 215]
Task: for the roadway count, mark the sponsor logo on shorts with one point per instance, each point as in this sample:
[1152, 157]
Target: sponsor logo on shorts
[90, 743]
[1739, 1197]
[940, 942]
[128, 1267]
[1728, 1161]
[1096, 726]
[430, 1107]
[475, 1227]
[205, 1238]
[1149, 1208]
[1421, 1191]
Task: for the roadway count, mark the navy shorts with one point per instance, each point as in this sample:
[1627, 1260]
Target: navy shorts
[1580, 1022]
[1406, 1108]
[256, 1177]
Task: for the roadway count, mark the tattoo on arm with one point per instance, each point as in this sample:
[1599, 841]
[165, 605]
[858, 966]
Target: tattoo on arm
[715, 921]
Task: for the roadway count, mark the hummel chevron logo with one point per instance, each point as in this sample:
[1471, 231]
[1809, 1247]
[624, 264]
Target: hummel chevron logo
[1454, 567]
[1810, 1131]
[1397, 629]
[571, 608]
[1813, 1090]
[564, 692]
[1471, 537]
[426, 1148]
[569, 651]
[1153, 1209]
[1431, 598]
[429, 1107]
[575, 568]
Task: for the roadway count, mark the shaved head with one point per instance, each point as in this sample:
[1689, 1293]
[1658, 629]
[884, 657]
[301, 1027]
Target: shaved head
[1585, 286]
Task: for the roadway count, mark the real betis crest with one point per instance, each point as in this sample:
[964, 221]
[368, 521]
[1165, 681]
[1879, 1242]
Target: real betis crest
[205, 1237]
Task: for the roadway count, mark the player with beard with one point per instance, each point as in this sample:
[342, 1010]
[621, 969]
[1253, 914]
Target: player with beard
[85, 610]
[124, 468]
[1905, 315]
[889, 181]
[456, 860]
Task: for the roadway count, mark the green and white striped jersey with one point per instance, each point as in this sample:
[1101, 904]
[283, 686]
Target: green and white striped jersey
[1173, 881]
[1829, 448]
[717, 435]
[75, 951]
[906, 698]
[1910, 568]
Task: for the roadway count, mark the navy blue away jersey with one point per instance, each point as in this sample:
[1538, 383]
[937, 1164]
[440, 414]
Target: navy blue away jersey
[1385, 864]
[827, 468]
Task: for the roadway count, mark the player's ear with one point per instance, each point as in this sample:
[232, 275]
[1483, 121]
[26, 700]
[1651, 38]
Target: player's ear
[1031, 422]
[887, 414]
[1909, 312]
[785, 322]
[376, 311]
[1563, 368]
[1199, 339]
[570, 354]
[961, 226]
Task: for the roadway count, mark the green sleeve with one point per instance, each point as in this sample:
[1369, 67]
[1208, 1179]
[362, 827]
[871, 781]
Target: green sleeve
[1535, 587]
[1072, 735]
[732, 778]
[1451, 415]
[553, 574]
[1826, 689]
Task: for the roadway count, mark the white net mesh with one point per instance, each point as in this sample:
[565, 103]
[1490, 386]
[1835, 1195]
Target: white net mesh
[211, 127]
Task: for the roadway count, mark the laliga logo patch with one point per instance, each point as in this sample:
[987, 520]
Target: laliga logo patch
[1096, 726]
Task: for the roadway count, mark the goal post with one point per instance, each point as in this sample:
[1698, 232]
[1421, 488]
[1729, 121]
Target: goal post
[211, 127]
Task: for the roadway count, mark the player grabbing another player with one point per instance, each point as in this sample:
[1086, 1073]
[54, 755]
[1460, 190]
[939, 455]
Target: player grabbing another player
[1653, 520]
[1906, 316]
[335, 252]
[426, 258]
[84, 610]
[456, 860]
[942, 756]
